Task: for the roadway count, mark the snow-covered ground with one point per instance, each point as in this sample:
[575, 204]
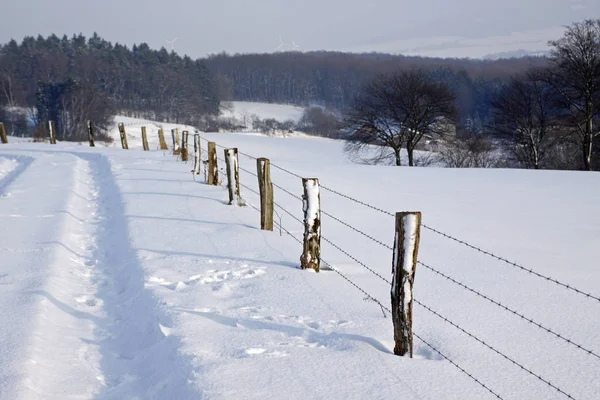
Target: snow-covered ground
[245, 109]
[122, 277]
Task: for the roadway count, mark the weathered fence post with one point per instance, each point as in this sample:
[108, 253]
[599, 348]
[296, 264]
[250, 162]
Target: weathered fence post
[3, 134]
[197, 155]
[161, 140]
[213, 168]
[311, 205]
[404, 264]
[91, 133]
[184, 146]
[176, 148]
[52, 132]
[265, 187]
[233, 175]
[145, 139]
[123, 136]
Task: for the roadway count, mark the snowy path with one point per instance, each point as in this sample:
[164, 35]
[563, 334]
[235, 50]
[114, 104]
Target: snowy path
[45, 279]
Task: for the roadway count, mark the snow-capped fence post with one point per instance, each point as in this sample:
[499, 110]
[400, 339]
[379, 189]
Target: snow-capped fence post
[3, 134]
[123, 136]
[404, 264]
[233, 176]
[91, 133]
[311, 205]
[176, 148]
[213, 168]
[161, 140]
[184, 146]
[197, 155]
[265, 188]
[52, 132]
[145, 139]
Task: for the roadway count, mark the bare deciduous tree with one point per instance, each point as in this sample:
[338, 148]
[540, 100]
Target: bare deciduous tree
[398, 110]
[575, 75]
[525, 114]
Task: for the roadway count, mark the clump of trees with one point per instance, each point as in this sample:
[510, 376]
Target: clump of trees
[79, 78]
[545, 117]
[319, 121]
[398, 110]
[550, 115]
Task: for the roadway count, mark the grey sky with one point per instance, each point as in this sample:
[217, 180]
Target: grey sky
[430, 27]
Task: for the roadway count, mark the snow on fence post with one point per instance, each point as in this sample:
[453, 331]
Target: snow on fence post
[311, 205]
[161, 140]
[404, 264]
[123, 136]
[52, 132]
[176, 148]
[265, 186]
[91, 133]
[145, 139]
[233, 176]
[184, 146]
[213, 168]
[197, 155]
[3, 134]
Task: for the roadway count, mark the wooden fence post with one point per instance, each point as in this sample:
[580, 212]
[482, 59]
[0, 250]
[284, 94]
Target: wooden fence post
[265, 187]
[311, 205]
[184, 146]
[233, 175]
[145, 139]
[91, 133]
[123, 136]
[161, 140]
[52, 132]
[213, 168]
[3, 134]
[404, 264]
[197, 155]
[176, 148]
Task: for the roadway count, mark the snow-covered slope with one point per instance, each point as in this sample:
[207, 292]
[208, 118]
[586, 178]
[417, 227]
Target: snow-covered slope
[122, 276]
[245, 109]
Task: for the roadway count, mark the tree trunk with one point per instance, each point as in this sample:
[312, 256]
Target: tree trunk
[411, 151]
[398, 159]
[588, 139]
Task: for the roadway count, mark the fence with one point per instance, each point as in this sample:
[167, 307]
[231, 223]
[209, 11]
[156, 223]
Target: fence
[404, 250]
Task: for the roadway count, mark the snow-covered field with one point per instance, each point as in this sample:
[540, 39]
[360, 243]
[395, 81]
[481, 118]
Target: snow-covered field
[122, 277]
[245, 109]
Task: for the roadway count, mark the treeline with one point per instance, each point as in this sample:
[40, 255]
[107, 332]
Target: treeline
[335, 79]
[543, 117]
[74, 79]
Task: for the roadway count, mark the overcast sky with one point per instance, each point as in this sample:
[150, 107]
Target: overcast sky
[461, 28]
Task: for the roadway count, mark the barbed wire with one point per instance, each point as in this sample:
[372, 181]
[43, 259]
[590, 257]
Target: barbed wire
[371, 298]
[514, 264]
[457, 366]
[497, 303]
[492, 348]
[355, 260]
[357, 230]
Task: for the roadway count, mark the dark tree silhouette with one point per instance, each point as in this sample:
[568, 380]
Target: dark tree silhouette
[397, 111]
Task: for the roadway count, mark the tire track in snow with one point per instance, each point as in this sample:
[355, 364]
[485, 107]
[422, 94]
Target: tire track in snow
[23, 163]
[63, 358]
[43, 345]
[139, 358]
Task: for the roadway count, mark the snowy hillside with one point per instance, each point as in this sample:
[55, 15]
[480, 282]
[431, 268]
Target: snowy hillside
[245, 109]
[122, 277]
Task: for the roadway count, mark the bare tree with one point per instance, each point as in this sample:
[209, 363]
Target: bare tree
[472, 152]
[525, 113]
[575, 75]
[398, 110]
